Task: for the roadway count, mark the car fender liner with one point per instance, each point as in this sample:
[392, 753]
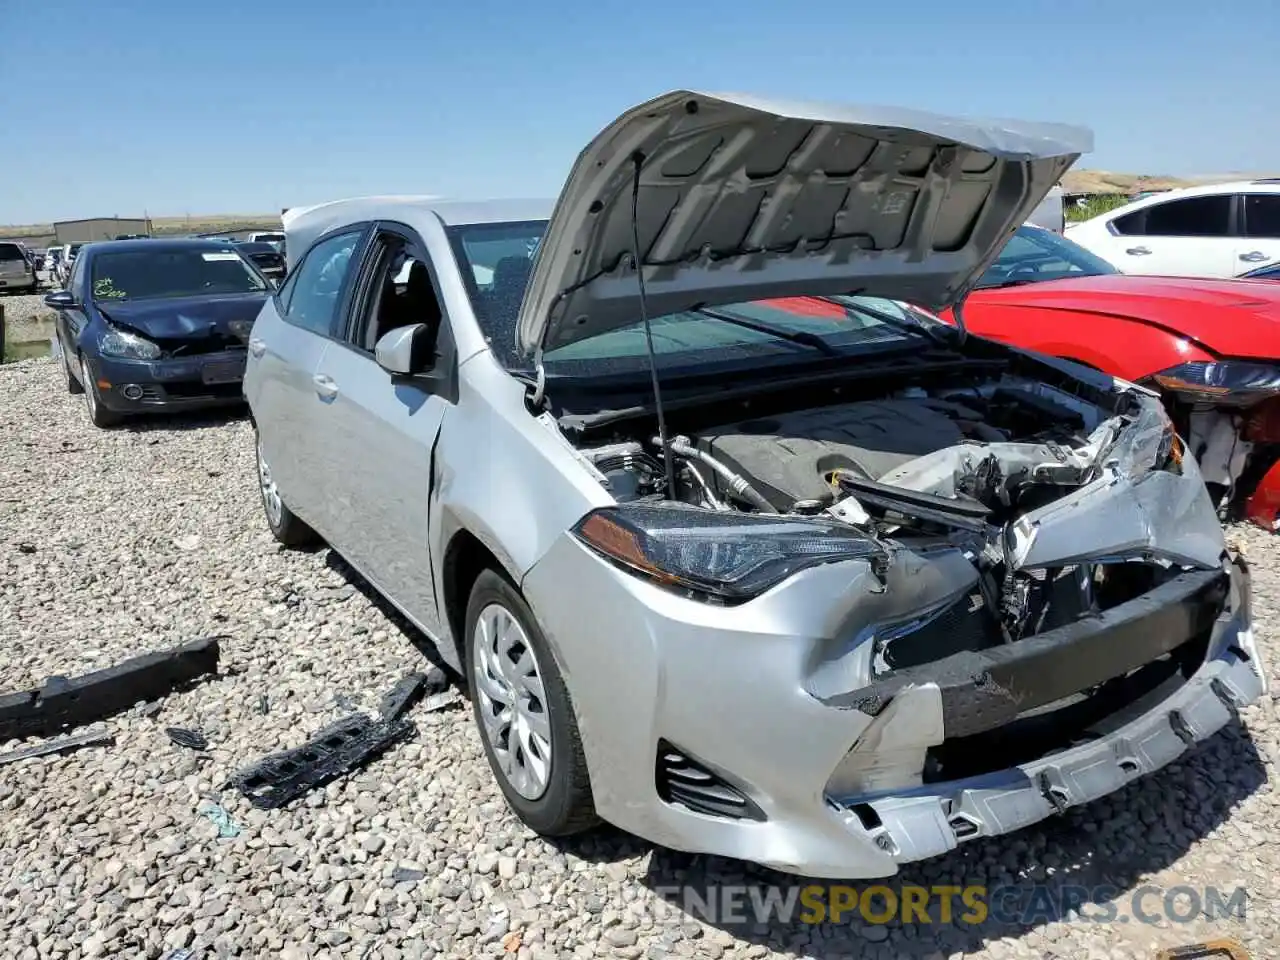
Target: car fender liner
[63, 702]
[987, 689]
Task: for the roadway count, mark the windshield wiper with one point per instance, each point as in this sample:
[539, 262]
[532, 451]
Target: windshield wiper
[803, 337]
[899, 323]
[1008, 283]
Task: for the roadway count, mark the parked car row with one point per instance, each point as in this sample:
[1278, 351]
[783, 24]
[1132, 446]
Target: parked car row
[17, 269]
[881, 586]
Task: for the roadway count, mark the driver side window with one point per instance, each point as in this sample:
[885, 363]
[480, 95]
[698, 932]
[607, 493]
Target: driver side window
[319, 283]
[400, 292]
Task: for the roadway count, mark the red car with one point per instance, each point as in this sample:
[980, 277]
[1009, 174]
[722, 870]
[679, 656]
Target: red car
[1211, 347]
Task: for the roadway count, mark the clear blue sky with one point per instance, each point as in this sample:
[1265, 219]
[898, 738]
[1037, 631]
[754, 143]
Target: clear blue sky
[249, 105]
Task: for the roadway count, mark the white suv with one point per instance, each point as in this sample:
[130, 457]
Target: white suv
[1222, 230]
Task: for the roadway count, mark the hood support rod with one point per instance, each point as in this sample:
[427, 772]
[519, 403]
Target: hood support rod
[958, 312]
[663, 437]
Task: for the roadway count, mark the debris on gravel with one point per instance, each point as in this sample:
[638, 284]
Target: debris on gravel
[115, 543]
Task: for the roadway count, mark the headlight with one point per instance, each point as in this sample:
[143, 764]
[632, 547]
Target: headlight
[1221, 382]
[1148, 443]
[730, 557]
[129, 346]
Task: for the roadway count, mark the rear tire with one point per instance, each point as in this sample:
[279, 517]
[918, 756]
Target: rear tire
[544, 778]
[283, 523]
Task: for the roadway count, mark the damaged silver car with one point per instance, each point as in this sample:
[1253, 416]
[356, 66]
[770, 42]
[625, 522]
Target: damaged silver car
[744, 552]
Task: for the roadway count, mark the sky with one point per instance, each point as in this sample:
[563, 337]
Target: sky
[245, 106]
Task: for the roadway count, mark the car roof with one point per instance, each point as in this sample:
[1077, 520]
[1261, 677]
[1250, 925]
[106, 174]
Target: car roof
[449, 212]
[151, 245]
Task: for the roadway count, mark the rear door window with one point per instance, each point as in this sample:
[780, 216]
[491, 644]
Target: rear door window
[10, 253]
[1188, 217]
[1262, 215]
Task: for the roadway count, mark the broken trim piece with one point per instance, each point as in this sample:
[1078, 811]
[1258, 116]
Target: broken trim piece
[988, 689]
[61, 702]
[63, 744]
[280, 778]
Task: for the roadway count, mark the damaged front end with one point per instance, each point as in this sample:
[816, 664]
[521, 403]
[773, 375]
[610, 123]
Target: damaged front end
[1050, 611]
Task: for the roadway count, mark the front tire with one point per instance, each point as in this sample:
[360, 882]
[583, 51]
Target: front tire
[524, 712]
[99, 415]
[281, 521]
[74, 386]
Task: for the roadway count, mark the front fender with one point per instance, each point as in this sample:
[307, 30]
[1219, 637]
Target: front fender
[503, 476]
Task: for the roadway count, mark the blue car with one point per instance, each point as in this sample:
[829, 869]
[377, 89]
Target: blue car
[1270, 272]
[154, 325]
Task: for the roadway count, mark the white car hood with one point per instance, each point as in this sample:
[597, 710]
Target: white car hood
[742, 198]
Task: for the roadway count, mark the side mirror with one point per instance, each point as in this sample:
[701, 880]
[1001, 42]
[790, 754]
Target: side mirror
[60, 300]
[406, 351]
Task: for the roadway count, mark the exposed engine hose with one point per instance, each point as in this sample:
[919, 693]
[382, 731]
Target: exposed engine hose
[737, 483]
[715, 502]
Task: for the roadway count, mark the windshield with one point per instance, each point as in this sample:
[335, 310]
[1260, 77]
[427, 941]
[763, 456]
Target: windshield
[1033, 255]
[10, 252]
[269, 237]
[156, 274]
[496, 259]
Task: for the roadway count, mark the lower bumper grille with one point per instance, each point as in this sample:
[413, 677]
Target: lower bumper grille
[687, 783]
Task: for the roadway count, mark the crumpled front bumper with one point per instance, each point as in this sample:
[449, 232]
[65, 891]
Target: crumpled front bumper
[933, 820]
[752, 694]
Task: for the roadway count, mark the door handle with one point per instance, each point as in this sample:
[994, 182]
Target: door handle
[1253, 256]
[1137, 251]
[257, 347]
[325, 386]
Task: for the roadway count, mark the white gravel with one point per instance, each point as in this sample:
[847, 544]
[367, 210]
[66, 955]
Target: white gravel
[24, 309]
[117, 542]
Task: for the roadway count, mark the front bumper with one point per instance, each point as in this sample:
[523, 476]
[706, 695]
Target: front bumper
[733, 690]
[141, 386]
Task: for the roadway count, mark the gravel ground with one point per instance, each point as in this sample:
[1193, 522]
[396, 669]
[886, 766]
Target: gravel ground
[24, 309]
[117, 542]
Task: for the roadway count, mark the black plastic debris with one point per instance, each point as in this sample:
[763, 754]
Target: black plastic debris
[62, 745]
[191, 739]
[264, 705]
[409, 689]
[64, 702]
[397, 701]
[280, 778]
[26, 548]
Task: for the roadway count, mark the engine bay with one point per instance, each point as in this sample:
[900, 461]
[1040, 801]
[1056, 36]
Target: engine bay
[990, 449]
[953, 464]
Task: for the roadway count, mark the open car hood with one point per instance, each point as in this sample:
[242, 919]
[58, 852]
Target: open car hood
[742, 198]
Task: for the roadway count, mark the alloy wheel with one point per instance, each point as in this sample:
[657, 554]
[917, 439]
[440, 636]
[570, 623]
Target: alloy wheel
[270, 494]
[512, 700]
[90, 389]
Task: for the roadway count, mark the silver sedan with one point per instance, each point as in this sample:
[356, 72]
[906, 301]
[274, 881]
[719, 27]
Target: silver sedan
[746, 551]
